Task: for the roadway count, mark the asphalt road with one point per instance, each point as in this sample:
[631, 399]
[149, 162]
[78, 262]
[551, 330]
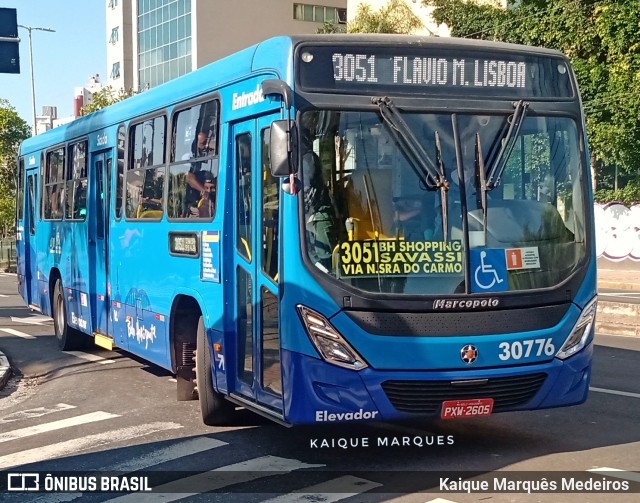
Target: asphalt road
[97, 412]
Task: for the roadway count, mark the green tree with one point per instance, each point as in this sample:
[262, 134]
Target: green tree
[331, 27]
[105, 97]
[13, 130]
[394, 17]
[600, 37]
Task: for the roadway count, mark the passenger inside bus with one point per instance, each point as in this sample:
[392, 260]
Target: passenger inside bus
[200, 148]
[206, 204]
[411, 222]
[320, 218]
[197, 175]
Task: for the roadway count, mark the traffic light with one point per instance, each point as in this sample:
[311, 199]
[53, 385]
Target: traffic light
[9, 41]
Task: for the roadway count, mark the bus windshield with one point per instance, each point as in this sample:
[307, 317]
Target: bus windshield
[480, 193]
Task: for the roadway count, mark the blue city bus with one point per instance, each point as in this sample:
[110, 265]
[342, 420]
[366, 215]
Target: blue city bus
[328, 228]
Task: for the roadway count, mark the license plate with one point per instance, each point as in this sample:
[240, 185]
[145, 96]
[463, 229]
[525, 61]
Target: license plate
[452, 409]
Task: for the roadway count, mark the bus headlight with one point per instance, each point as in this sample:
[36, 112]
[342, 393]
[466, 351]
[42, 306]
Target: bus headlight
[581, 330]
[328, 341]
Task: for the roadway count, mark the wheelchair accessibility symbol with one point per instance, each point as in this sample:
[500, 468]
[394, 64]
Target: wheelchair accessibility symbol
[489, 270]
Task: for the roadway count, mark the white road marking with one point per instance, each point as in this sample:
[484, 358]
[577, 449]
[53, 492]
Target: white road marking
[56, 425]
[615, 472]
[615, 392]
[38, 319]
[37, 412]
[619, 294]
[175, 451]
[237, 473]
[90, 357]
[17, 333]
[327, 492]
[76, 445]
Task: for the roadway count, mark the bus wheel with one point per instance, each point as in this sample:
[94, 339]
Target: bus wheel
[68, 338]
[216, 411]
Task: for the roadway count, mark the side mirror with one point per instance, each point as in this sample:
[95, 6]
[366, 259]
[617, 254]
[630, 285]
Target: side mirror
[283, 148]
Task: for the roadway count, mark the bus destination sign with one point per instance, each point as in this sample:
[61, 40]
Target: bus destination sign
[437, 71]
[401, 70]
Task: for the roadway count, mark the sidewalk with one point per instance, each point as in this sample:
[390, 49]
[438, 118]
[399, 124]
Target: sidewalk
[616, 315]
[618, 278]
[614, 318]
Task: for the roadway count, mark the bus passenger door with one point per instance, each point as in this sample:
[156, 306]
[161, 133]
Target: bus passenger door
[258, 375]
[29, 237]
[98, 239]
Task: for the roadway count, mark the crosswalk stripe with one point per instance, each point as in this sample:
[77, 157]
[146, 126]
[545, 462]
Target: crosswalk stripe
[615, 472]
[175, 451]
[76, 445]
[17, 333]
[329, 491]
[37, 412]
[237, 473]
[56, 425]
[90, 357]
[38, 319]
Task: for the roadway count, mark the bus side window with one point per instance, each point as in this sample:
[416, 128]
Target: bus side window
[270, 211]
[20, 191]
[76, 200]
[145, 176]
[54, 184]
[120, 173]
[243, 191]
[193, 172]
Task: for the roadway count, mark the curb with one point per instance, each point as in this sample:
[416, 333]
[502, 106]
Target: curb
[5, 370]
[618, 285]
[618, 318]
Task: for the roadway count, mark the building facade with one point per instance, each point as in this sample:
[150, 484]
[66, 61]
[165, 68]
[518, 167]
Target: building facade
[153, 41]
[423, 12]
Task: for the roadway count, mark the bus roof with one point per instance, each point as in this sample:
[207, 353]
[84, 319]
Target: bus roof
[273, 55]
[422, 40]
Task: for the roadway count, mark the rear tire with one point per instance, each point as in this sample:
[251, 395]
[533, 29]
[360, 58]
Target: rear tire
[216, 411]
[68, 338]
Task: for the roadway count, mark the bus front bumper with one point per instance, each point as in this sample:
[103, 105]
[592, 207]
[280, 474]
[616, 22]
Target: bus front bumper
[319, 392]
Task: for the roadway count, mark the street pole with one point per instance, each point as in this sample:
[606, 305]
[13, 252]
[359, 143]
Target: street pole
[33, 80]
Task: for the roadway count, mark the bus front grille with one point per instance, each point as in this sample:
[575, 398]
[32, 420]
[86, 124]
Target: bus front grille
[426, 397]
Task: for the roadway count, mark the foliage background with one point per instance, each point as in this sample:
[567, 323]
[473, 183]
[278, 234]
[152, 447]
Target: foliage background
[13, 130]
[602, 38]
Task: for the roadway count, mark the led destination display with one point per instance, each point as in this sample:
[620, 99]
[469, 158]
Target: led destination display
[436, 71]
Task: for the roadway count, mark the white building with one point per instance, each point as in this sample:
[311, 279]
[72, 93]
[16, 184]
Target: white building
[153, 41]
[83, 96]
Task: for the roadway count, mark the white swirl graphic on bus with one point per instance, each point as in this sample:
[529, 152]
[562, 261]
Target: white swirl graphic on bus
[617, 231]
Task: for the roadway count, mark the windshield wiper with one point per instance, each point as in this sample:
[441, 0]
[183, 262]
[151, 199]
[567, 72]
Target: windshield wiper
[481, 181]
[508, 142]
[430, 173]
[421, 162]
[444, 188]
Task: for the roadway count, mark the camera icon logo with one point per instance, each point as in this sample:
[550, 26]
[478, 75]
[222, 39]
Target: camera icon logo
[23, 482]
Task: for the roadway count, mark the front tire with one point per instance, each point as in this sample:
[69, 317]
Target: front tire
[216, 411]
[68, 338]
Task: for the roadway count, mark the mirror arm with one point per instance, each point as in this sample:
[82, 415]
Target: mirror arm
[278, 87]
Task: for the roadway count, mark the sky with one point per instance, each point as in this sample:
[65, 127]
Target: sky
[62, 60]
